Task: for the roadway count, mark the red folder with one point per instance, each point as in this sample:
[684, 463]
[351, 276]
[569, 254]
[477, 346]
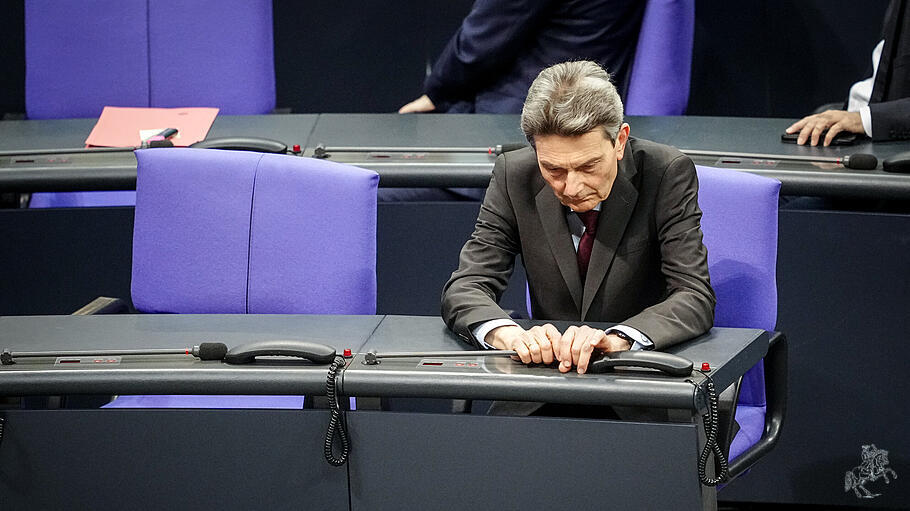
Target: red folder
[128, 127]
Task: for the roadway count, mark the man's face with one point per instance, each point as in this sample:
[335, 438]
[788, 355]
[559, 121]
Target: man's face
[581, 169]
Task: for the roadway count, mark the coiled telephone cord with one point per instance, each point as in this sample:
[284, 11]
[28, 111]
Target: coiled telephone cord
[337, 426]
[710, 420]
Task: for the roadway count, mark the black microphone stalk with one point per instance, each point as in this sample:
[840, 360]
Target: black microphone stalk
[204, 351]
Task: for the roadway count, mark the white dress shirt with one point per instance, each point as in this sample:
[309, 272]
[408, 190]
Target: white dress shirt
[860, 92]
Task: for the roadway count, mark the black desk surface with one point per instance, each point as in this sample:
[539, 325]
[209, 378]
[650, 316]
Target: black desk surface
[729, 351]
[727, 135]
[166, 374]
[71, 133]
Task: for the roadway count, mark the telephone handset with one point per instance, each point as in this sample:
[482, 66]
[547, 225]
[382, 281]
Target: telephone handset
[261, 145]
[314, 352]
[673, 365]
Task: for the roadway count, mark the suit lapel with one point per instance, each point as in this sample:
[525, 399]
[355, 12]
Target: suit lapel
[553, 218]
[615, 213]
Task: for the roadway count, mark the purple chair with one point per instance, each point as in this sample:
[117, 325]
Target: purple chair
[242, 232]
[739, 223]
[86, 54]
[740, 232]
[659, 83]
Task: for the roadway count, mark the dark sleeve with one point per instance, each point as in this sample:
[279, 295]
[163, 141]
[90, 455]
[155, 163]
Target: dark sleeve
[890, 120]
[687, 310]
[488, 39]
[485, 264]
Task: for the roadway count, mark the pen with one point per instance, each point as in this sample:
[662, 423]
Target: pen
[168, 133]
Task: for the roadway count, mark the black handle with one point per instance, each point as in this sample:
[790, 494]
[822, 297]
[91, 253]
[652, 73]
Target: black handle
[900, 163]
[673, 365]
[314, 352]
[261, 145]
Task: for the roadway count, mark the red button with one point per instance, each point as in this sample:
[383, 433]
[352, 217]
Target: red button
[296, 148]
[705, 366]
[347, 352]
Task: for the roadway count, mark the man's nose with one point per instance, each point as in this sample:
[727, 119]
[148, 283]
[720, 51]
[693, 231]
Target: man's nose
[574, 184]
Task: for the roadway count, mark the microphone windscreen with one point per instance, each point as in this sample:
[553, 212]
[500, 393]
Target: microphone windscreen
[861, 161]
[212, 351]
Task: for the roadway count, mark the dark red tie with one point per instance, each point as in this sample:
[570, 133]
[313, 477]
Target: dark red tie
[589, 218]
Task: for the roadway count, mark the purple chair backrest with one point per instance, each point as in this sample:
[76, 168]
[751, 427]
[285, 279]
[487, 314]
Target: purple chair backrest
[740, 232]
[84, 54]
[659, 84]
[215, 53]
[242, 232]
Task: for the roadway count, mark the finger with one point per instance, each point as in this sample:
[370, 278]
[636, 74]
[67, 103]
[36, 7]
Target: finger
[798, 125]
[553, 336]
[803, 135]
[817, 133]
[565, 349]
[832, 132]
[587, 349]
[546, 348]
[806, 127]
[552, 333]
[533, 348]
[518, 344]
[578, 342]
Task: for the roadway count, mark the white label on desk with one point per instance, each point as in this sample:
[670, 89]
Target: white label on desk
[86, 361]
[448, 362]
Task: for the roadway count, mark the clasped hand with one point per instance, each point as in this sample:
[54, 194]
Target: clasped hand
[544, 344]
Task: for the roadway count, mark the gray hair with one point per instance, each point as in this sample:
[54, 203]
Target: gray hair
[571, 99]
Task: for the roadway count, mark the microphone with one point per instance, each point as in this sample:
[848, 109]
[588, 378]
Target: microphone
[210, 351]
[860, 161]
[204, 351]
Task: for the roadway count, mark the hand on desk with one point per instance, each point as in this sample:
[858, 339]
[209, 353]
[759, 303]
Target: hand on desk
[810, 128]
[544, 344]
[421, 104]
[533, 346]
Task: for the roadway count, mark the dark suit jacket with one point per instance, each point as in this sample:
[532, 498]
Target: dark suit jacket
[502, 45]
[648, 267]
[889, 103]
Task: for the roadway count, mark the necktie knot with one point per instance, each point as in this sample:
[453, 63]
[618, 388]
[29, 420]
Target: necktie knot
[589, 219]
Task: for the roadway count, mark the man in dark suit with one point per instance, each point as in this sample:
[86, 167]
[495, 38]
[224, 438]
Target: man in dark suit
[879, 106]
[608, 228]
[501, 45]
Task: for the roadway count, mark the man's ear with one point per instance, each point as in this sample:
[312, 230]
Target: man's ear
[621, 138]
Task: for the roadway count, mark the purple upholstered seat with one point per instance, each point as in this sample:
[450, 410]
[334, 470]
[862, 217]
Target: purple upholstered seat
[242, 232]
[659, 83]
[740, 232]
[83, 55]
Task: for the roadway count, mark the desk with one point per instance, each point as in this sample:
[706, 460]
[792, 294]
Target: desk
[842, 279]
[713, 134]
[110, 171]
[398, 461]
